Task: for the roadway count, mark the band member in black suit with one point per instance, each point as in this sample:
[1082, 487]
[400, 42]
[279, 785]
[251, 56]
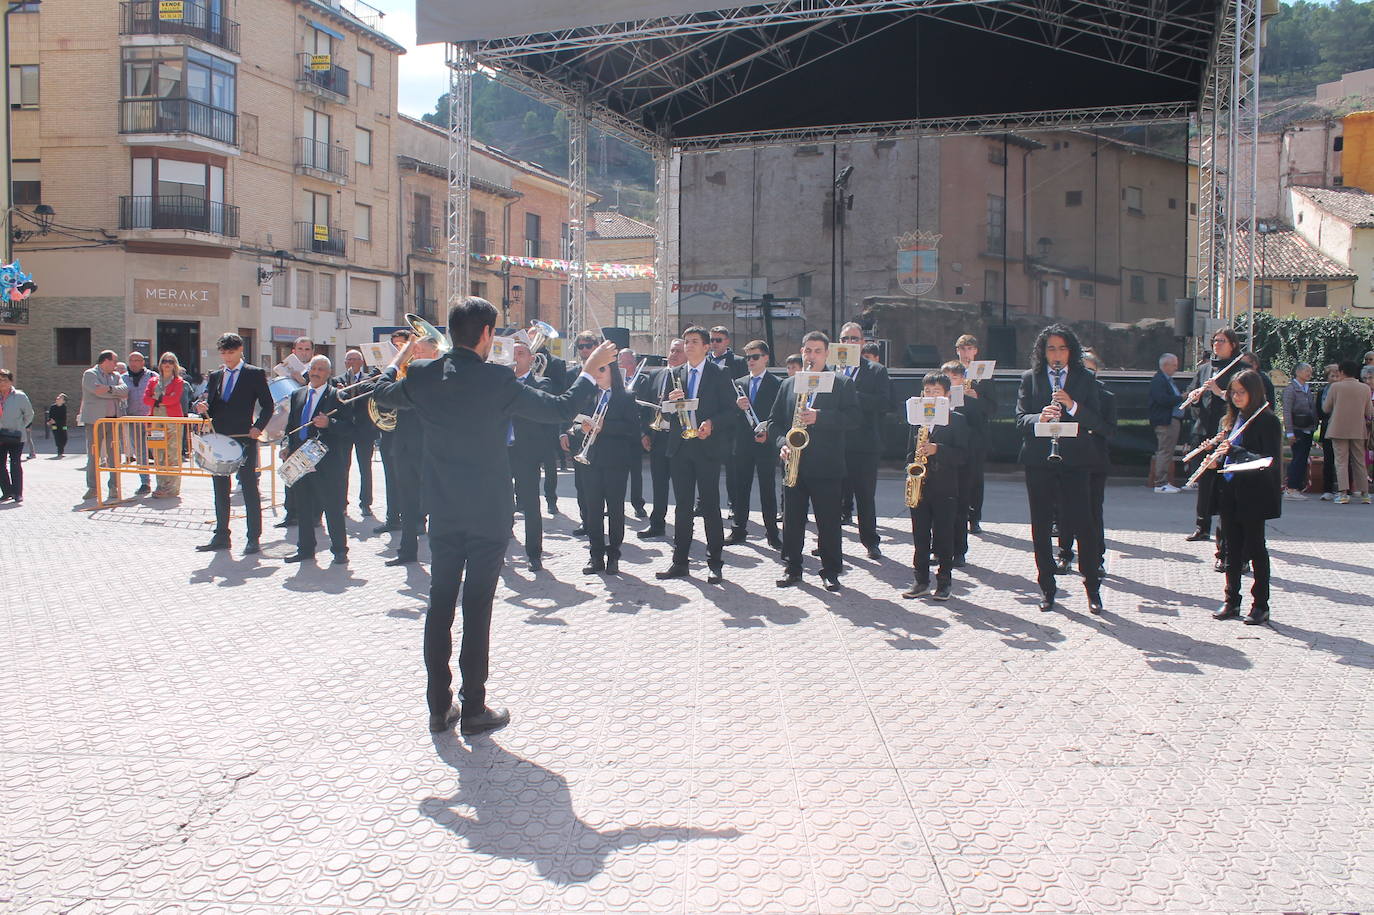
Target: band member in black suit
[632, 383]
[392, 522]
[874, 392]
[361, 427]
[1246, 499]
[528, 445]
[466, 405]
[829, 418]
[656, 387]
[985, 393]
[755, 454]
[694, 462]
[1209, 406]
[615, 447]
[934, 518]
[1058, 389]
[317, 410]
[976, 424]
[233, 394]
[1097, 477]
[734, 366]
[409, 440]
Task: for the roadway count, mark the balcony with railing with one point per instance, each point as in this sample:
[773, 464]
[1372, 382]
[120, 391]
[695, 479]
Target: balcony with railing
[14, 313]
[426, 307]
[326, 160]
[425, 237]
[319, 75]
[177, 121]
[481, 244]
[319, 239]
[180, 218]
[192, 20]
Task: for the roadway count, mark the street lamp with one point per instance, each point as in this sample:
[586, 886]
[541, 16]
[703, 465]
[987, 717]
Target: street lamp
[265, 275]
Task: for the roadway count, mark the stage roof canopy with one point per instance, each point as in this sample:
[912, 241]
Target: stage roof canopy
[702, 75]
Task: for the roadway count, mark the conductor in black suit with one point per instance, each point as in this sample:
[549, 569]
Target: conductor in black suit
[231, 394]
[1059, 389]
[528, 445]
[828, 418]
[694, 463]
[466, 406]
[755, 455]
[316, 409]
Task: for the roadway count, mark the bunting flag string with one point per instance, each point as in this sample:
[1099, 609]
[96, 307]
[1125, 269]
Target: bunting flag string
[595, 270]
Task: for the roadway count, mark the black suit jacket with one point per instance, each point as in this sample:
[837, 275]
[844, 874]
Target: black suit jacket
[1255, 494]
[533, 440]
[617, 444]
[1209, 408]
[1034, 396]
[874, 391]
[976, 420]
[465, 406]
[338, 435]
[362, 427]
[1102, 435]
[942, 467]
[839, 415]
[717, 397]
[236, 416]
[769, 385]
[734, 365]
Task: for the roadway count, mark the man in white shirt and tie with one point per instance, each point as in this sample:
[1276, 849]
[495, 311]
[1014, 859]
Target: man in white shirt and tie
[316, 413]
[364, 443]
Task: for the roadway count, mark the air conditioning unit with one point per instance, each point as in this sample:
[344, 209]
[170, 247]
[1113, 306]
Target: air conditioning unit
[341, 319]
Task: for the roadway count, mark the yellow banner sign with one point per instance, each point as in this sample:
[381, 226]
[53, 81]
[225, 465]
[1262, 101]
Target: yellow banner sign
[320, 61]
[170, 9]
[321, 233]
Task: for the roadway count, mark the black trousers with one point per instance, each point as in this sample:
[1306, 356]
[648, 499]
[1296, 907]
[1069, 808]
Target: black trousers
[636, 477]
[696, 476]
[551, 462]
[730, 482]
[1328, 465]
[1246, 546]
[362, 451]
[525, 469]
[1065, 495]
[59, 438]
[605, 500]
[248, 485]
[1097, 489]
[963, 509]
[410, 509]
[861, 482]
[12, 469]
[761, 461]
[393, 496]
[580, 487]
[454, 555]
[1206, 498]
[933, 529]
[322, 492]
[977, 463]
[823, 496]
[660, 477]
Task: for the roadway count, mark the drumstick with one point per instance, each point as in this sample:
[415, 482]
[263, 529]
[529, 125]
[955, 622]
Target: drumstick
[308, 422]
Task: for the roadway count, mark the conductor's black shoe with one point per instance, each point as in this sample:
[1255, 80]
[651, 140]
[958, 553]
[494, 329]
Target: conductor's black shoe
[438, 724]
[816, 551]
[1199, 534]
[775, 542]
[650, 533]
[716, 576]
[381, 528]
[1046, 603]
[300, 557]
[1064, 566]
[340, 559]
[875, 553]
[676, 570]
[553, 508]
[1219, 565]
[285, 523]
[737, 536]
[596, 565]
[959, 562]
[536, 564]
[489, 719]
[1095, 602]
[640, 512]
[402, 560]
[1227, 612]
[917, 588]
[790, 580]
[941, 592]
[974, 528]
[218, 543]
[612, 565]
[579, 531]
[252, 547]
[1256, 617]
[831, 582]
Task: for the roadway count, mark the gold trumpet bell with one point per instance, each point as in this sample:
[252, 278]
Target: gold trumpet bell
[427, 331]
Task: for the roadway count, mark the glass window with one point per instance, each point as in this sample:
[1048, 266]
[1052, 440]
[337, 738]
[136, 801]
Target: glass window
[1137, 289]
[24, 86]
[28, 186]
[364, 68]
[1316, 295]
[1266, 297]
[1162, 289]
[324, 292]
[73, 345]
[1134, 198]
[180, 72]
[305, 292]
[992, 285]
[1073, 198]
[363, 296]
[362, 222]
[362, 146]
[997, 222]
[632, 310]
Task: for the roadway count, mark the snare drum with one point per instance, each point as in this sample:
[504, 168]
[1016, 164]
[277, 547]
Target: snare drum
[275, 430]
[282, 388]
[217, 454]
[302, 461]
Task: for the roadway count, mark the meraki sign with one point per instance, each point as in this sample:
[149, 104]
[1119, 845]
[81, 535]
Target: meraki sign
[171, 297]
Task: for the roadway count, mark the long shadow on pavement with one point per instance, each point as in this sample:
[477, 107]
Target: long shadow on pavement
[1350, 651]
[522, 811]
[232, 571]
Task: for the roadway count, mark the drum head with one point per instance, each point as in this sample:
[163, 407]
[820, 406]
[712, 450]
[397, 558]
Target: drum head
[217, 454]
[282, 389]
[275, 430]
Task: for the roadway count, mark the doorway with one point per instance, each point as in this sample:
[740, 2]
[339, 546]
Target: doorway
[182, 338]
[250, 345]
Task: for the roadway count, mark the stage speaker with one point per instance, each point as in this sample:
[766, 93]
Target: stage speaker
[1001, 345]
[922, 356]
[620, 336]
[1184, 311]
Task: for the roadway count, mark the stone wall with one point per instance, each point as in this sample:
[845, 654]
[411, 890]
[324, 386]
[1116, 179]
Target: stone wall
[39, 376]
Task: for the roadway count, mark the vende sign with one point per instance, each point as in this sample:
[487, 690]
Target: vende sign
[711, 295]
[172, 297]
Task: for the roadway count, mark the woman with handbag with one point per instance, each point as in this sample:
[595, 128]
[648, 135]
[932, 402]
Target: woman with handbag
[164, 397]
[16, 412]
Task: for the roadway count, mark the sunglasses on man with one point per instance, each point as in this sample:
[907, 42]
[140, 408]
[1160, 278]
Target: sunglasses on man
[850, 339]
[586, 346]
[752, 356]
[717, 339]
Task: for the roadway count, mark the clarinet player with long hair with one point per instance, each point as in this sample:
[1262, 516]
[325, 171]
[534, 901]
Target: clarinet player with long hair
[1245, 500]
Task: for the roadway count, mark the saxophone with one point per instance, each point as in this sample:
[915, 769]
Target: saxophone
[916, 470]
[797, 440]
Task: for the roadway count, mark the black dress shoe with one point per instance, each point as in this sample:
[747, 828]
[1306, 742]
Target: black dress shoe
[640, 512]
[440, 723]
[596, 565]
[790, 580]
[816, 551]
[1256, 618]
[612, 565]
[1046, 603]
[1199, 534]
[285, 523]
[875, 553]
[340, 559]
[1094, 602]
[402, 560]
[365, 510]
[676, 570]
[847, 520]
[300, 557]
[917, 588]
[775, 542]
[579, 531]
[488, 719]
[553, 508]
[831, 582]
[974, 528]
[959, 562]
[252, 547]
[219, 543]
[1064, 566]
[1219, 565]
[650, 533]
[1227, 612]
[941, 592]
[737, 536]
[536, 564]
[716, 576]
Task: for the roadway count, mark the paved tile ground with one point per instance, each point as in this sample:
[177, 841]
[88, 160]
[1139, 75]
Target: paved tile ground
[184, 733]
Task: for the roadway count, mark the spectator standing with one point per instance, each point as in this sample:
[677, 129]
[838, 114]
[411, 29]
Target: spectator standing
[103, 396]
[1299, 422]
[139, 379]
[165, 398]
[57, 422]
[1330, 373]
[1251, 361]
[1166, 417]
[1348, 405]
[16, 412]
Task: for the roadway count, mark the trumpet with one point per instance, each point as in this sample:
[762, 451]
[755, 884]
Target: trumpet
[749, 411]
[583, 455]
[539, 333]
[385, 420]
[797, 440]
[687, 417]
[916, 470]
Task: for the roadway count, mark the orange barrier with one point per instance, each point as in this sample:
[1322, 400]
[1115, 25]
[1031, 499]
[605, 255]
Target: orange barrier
[158, 445]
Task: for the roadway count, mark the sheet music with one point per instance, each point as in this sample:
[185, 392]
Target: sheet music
[813, 382]
[927, 411]
[981, 369]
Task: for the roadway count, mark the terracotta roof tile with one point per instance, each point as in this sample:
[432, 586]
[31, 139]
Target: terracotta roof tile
[618, 225]
[1285, 253]
[1347, 203]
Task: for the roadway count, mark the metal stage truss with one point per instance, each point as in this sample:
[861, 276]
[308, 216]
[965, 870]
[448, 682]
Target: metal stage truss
[674, 85]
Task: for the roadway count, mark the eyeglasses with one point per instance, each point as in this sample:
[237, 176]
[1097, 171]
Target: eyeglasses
[586, 346]
[752, 356]
[851, 339]
[717, 339]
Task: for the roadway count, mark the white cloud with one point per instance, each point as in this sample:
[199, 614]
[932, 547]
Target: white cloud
[424, 77]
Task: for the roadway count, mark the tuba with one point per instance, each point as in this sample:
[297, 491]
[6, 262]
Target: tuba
[797, 440]
[916, 470]
[540, 333]
[385, 420]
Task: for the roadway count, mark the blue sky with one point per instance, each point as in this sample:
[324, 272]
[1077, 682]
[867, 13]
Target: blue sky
[423, 76]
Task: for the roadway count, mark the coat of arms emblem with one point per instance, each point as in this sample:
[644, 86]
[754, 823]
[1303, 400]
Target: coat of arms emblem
[918, 261]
